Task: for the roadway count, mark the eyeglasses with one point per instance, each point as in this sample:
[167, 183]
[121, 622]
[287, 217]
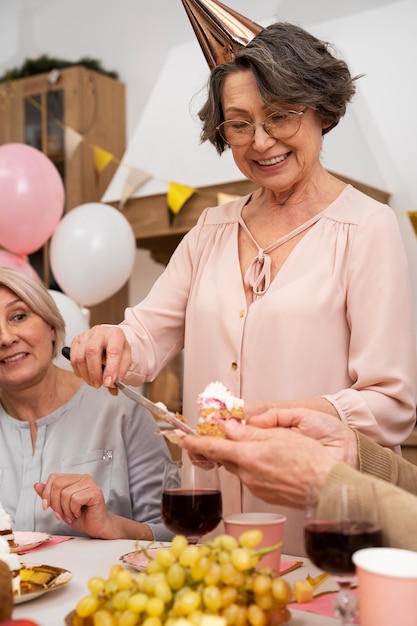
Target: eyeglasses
[280, 125]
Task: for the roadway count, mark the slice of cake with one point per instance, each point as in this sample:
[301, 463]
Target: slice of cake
[6, 527]
[13, 563]
[217, 404]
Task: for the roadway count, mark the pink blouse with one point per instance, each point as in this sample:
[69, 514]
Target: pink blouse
[336, 321]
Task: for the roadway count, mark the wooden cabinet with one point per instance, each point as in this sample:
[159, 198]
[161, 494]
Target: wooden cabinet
[40, 111]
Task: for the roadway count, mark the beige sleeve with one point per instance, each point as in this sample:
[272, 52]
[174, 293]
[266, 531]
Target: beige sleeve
[385, 464]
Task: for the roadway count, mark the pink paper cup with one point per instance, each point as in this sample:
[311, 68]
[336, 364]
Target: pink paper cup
[272, 527]
[387, 586]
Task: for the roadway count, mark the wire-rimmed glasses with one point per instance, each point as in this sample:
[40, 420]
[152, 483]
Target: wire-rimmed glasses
[280, 125]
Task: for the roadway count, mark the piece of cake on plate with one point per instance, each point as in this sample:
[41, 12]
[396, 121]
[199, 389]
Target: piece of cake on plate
[217, 404]
[12, 561]
[6, 527]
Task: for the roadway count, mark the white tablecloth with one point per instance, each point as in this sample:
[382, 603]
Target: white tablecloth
[94, 557]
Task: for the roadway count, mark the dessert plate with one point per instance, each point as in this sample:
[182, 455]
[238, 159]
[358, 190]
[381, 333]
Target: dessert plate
[39, 579]
[27, 540]
[140, 558]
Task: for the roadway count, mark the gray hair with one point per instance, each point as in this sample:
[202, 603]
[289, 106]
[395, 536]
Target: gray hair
[290, 66]
[38, 299]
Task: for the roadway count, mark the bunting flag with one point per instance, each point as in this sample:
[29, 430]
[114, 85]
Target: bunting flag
[135, 179]
[72, 140]
[177, 196]
[101, 159]
[413, 219]
[222, 198]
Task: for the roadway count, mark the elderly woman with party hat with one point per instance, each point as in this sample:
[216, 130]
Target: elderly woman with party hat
[94, 459]
[298, 293]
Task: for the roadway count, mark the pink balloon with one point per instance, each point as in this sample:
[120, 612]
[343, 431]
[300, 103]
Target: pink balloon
[7, 259]
[31, 198]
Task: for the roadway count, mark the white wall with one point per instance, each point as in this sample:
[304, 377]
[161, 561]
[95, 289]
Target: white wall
[376, 141]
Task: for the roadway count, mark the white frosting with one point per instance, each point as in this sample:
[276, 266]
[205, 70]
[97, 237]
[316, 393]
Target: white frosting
[5, 520]
[217, 394]
[11, 558]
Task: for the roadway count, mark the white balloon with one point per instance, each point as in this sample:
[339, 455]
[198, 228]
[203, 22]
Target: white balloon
[76, 322]
[92, 253]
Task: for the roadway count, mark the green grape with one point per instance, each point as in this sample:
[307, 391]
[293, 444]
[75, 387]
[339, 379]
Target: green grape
[281, 590]
[189, 556]
[223, 556]
[104, 618]
[154, 567]
[212, 598]
[179, 543]
[241, 616]
[111, 588]
[152, 621]
[155, 607]
[241, 559]
[265, 601]
[227, 573]
[96, 585]
[187, 603]
[120, 599]
[163, 591]
[128, 618]
[150, 582]
[175, 576]
[201, 568]
[137, 602]
[213, 575]
[226, 542]
[165, 557]
[262, 584]
[114, 571]
[195, 618]
[229, 595]
[124, 579]
[139, 580]
[87, 606]
[250, 538]
[256, 616]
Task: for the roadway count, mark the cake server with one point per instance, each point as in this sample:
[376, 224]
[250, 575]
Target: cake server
[158, 411]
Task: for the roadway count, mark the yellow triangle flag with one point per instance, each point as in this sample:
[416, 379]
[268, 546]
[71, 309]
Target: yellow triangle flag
[222, 198]
[178, 196]
[413, 219]
[135, 179]
[72, 140]
[101, 159]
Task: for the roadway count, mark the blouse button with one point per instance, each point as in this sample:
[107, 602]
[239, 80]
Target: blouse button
[242, 313]
[234, 365]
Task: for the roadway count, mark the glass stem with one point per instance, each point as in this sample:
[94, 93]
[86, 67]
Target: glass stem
[345, 604]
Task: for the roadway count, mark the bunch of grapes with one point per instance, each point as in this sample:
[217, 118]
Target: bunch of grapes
[185, 584]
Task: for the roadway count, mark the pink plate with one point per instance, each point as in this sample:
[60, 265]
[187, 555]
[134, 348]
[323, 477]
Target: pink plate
[27, 540]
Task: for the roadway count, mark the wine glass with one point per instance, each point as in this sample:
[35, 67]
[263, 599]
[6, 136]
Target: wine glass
[191, 498]
[334, 531]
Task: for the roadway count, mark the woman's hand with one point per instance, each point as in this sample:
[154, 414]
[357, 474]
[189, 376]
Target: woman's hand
[101, 355]
[77, 500]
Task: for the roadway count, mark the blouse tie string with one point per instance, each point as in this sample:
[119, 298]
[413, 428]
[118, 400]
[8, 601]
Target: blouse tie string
[258, 274]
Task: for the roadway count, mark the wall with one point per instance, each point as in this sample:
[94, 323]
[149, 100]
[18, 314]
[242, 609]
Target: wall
[375, 143]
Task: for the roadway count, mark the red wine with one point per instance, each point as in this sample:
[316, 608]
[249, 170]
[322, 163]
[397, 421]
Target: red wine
[330, 545]
[188, 512]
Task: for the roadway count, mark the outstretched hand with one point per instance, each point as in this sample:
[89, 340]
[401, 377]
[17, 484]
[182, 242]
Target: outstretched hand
[280, 452]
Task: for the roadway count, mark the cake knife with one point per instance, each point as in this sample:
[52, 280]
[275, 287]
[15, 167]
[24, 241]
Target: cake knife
[158, 411]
